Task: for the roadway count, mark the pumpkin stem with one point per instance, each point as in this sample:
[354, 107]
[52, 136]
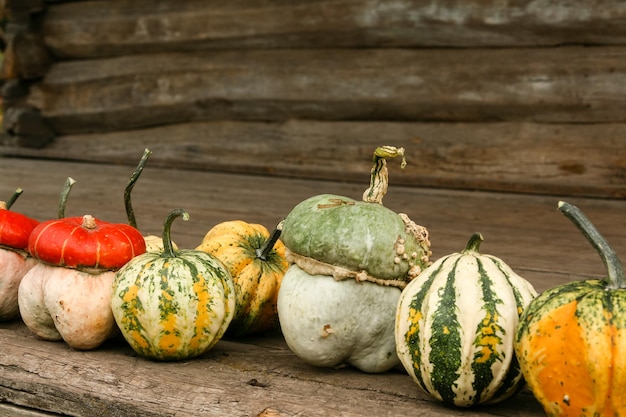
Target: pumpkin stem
[263, 252]
[609, 257]
[67, 187]
[18, 192]
[473, 245]
[89, 222]
[130, 214]
[168, 247]
[379, 179]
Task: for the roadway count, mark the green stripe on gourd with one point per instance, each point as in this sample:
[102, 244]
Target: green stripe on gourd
[455, 327]
[445, 342]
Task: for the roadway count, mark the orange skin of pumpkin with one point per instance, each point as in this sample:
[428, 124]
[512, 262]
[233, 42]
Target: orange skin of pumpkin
[573, 353]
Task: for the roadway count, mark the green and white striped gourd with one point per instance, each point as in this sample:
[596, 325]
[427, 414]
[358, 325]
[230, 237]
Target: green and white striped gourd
[455, 327]
[173, 305]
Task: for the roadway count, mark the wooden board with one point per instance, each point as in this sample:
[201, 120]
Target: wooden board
[101, 28]
[236, 378]
[582, 160]
[427, 85]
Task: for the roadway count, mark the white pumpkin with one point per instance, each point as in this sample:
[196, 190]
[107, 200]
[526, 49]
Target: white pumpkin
[333, 323]
[59, 303]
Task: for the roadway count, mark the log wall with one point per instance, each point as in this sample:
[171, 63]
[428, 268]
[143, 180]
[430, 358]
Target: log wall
[523, 96]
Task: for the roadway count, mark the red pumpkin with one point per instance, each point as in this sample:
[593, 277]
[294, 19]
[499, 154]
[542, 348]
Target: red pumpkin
[15, 228]
[76, 242]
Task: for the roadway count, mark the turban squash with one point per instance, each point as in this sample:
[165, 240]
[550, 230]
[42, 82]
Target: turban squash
[15, 261]
[66, 295]
[349, 261]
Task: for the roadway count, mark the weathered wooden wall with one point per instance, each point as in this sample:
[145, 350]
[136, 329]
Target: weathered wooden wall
[523, 96]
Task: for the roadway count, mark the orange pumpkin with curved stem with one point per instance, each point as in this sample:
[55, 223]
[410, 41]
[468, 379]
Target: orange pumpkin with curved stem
[15, 261]
[571, 340]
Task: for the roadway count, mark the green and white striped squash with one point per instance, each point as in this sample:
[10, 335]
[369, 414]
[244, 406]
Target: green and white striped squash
[175, 304]
[455, 327]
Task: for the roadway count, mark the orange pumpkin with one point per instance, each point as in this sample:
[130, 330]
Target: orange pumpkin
[256, 261]
[571, 340]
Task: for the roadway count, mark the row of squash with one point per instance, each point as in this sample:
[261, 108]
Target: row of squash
[347, 282]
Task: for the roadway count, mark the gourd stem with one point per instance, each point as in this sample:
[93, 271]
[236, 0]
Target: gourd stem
[168, 247]
[379, 179]
[609, 257]
[473, 245]
[130, 213]
[18, 192]
[263, 252]
[67, 187]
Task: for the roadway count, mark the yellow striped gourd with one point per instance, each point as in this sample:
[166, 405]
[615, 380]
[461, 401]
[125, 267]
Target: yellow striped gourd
[175, 304]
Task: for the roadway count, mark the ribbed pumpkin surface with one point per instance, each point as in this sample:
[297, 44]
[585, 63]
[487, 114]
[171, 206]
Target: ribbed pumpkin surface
[257, 278]
[172, 308]
[455, 328]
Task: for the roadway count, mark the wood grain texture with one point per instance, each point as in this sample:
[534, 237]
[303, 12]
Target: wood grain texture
[103, 28]
[565, 159]
[396, 84]
[526, 231]
[236, 378]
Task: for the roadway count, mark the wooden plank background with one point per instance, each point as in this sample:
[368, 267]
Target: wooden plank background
[562, 159]
[523, 97]
[95, 28]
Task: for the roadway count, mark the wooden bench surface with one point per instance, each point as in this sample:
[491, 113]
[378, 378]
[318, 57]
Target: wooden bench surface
[245, 377]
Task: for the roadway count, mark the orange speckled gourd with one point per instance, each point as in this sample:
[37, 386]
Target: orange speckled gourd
[571, 341]
[175, 304]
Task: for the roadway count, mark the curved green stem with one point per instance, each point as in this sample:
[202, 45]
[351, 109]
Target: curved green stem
[18, 192]
[67, 187]
[263, 252]
[168, 246]
[130, 213]
[473, 245]
[379, 180]
[609, 257]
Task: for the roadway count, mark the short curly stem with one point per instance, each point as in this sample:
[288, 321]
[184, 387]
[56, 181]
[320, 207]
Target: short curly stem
[379, 179]
[612, 263]
[18, 192]
[168, 246]
[130, 213]
[263, 252]
[473, 245]
[67, 187]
